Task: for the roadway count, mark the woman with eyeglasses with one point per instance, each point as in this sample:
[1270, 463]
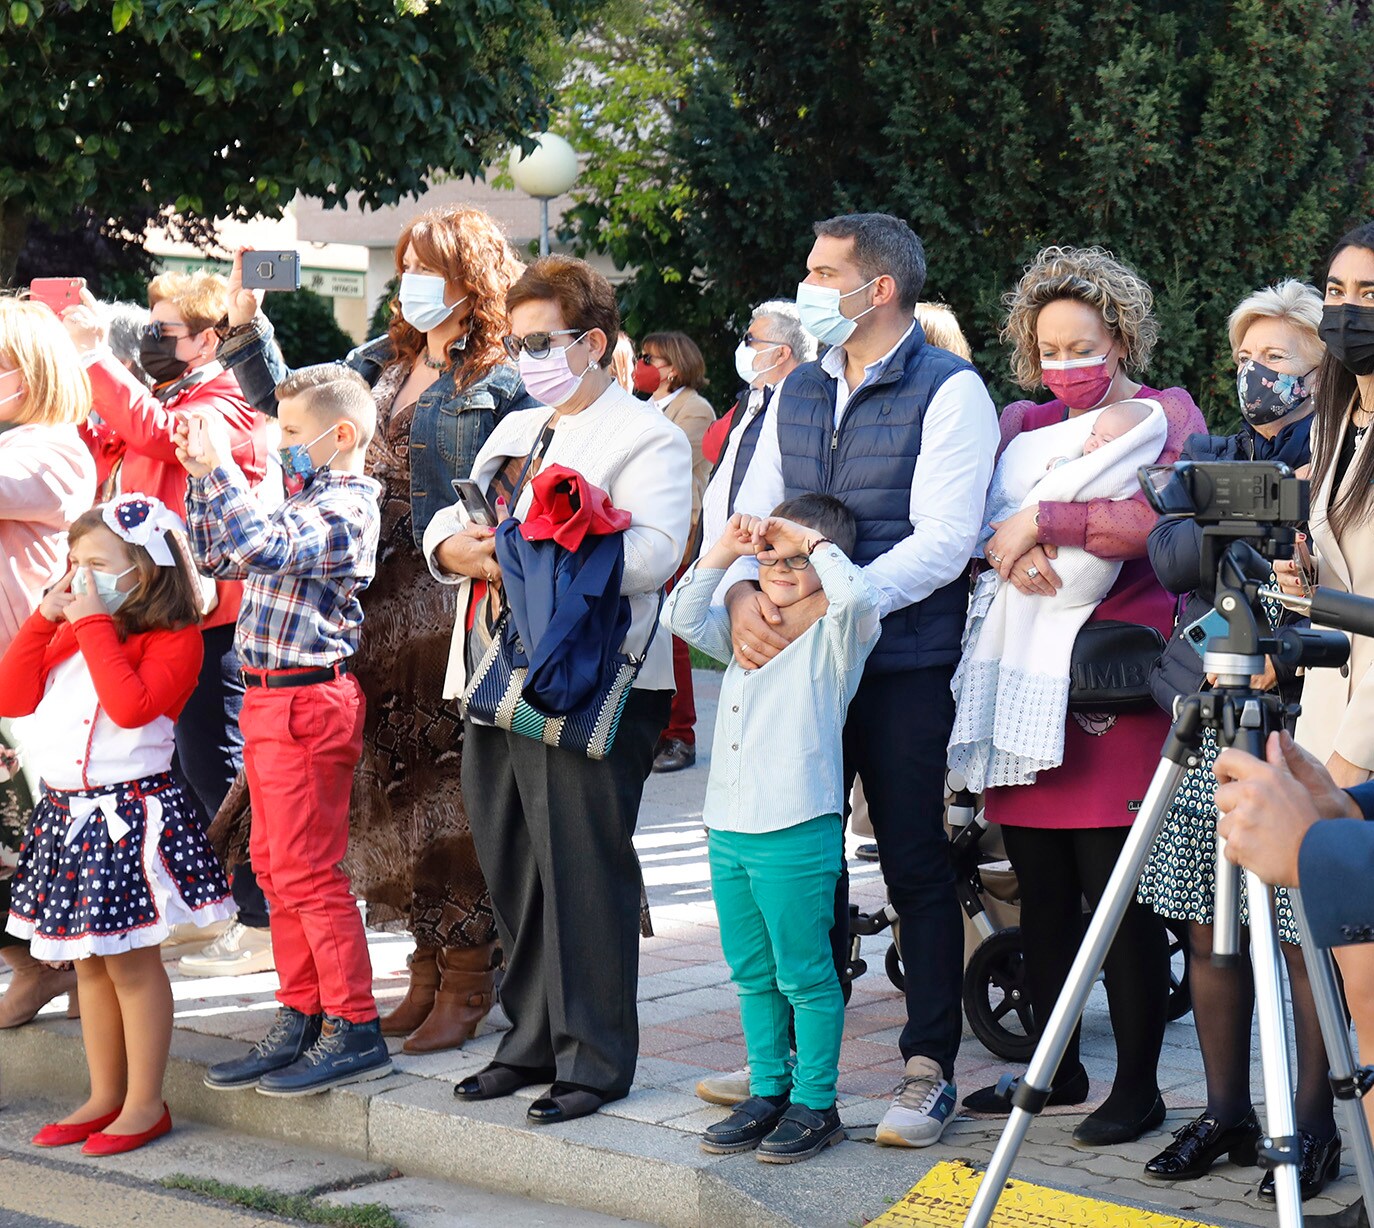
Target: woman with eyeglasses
[441, 381]
[553, 827]
[47, 479]
[131, 435]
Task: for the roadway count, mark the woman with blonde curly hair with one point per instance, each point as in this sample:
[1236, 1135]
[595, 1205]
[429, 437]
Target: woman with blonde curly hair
[1081, 323]
[441, 381]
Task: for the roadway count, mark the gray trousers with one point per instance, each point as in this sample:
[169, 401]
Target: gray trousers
[552, 830]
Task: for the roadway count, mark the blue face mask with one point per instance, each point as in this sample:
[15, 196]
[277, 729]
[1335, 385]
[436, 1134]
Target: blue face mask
[821, 315]
[297, 467]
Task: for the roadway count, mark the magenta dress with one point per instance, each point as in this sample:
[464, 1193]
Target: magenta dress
[1108, 760]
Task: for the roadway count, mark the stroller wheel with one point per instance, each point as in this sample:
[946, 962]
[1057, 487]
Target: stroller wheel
[1180, 996]
[996, 1000]
[893, 965]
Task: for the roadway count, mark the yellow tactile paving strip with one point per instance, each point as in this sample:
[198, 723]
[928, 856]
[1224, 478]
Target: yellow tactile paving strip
[944, 1195]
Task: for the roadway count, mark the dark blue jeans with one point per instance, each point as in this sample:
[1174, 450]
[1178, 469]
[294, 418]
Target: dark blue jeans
[896, 738]
[210, 751]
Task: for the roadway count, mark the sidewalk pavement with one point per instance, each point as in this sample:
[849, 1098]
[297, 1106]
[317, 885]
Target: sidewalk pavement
[638, 1158]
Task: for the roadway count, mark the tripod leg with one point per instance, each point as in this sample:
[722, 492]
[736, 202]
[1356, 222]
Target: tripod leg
[1281, 1139]
[1339, 1056]
[1033, 1090]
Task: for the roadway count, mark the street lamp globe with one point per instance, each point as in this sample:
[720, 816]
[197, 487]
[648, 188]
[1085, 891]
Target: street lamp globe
[548, 170]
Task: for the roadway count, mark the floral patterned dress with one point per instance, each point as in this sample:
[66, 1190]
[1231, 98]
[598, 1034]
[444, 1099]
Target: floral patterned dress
[1179, 879]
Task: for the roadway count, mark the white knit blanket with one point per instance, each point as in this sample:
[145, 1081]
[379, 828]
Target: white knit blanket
[1011, 690]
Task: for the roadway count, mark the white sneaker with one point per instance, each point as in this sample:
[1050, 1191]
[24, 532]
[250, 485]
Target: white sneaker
[187, 937]
[921, 1105]
[241, 949]
[727, 1089]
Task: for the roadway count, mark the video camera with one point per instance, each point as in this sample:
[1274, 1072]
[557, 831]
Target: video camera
[1249, 512]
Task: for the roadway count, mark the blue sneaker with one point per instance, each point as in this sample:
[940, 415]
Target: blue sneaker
[921, 1105]
[290, 1035]
[345, 1053]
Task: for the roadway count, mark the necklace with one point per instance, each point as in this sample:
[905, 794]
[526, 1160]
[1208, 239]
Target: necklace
[438, 364]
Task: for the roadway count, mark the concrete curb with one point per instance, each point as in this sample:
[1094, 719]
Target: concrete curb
[610, 1165]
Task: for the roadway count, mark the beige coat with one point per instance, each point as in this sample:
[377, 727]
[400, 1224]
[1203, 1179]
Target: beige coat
[1338, 704]
[691, 412]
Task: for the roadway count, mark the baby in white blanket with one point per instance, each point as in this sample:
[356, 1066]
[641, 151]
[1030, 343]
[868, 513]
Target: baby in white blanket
[1012, 687]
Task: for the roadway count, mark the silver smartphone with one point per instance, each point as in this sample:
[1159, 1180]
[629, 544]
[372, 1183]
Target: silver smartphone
[474, 501]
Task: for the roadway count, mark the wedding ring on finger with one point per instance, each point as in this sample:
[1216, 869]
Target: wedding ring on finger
[996, 558]
[1032, 572]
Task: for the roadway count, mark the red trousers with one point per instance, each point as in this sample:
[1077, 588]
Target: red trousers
[683, 717]
[300, 746]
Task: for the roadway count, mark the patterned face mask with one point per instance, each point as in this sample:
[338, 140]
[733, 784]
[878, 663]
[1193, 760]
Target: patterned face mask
[1267, 395]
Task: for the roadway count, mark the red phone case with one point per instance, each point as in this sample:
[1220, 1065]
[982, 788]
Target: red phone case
[57, 293]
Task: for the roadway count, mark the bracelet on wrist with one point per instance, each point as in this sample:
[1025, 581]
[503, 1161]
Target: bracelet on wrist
[820, 541]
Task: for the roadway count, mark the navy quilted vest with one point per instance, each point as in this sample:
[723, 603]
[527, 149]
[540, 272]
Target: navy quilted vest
[868, 462]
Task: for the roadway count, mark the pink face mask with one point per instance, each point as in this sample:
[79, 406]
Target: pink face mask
[1081, 383]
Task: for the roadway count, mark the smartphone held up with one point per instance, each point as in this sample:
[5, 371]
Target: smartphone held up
[271, 270]
[57, 293]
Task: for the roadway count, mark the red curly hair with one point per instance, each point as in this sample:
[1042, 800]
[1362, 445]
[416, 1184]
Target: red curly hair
[468, 248]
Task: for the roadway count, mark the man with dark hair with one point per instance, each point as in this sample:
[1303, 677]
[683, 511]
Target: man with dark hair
[906, 435]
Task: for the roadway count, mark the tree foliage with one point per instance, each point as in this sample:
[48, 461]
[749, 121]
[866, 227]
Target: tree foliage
[305, 328]
[1216, 145]
[229, 109]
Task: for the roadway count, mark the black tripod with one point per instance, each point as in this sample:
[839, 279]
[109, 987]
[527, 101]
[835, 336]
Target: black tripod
[1241, 717]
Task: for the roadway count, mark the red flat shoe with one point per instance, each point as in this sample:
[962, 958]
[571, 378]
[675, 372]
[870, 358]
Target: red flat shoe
[117, 1144]
[58, 1135]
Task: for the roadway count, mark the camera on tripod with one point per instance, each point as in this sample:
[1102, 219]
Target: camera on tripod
[1265, 492]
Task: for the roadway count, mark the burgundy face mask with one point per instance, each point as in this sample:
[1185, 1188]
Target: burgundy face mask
[1080, 383]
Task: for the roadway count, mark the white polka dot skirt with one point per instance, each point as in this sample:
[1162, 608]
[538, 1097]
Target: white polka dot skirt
[108, 870]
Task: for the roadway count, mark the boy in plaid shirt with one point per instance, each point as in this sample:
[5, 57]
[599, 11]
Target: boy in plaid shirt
[303, 568]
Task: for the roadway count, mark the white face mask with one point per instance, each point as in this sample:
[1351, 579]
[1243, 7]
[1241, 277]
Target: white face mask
[16, 394]
[106, 587]
[819, 308]
[745, 358]
[422, 301]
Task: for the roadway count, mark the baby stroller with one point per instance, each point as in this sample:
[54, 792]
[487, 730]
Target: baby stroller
[995, 999]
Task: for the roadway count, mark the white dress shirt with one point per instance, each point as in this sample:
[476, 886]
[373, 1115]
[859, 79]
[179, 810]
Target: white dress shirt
[71, 744]
[959, 439]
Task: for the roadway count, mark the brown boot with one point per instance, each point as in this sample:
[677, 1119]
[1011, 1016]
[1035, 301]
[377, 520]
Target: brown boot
[466, 992]
[412, 1010]
[32, 987]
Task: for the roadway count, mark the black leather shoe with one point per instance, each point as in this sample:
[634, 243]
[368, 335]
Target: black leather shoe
[1353, 1216]
[752, 1121]
[1318, 1164]
[1099, 1130]
[800, 1134]
[674, 755]
[1198, 1145]
[497, 1080]
[566, 1102]
[997, 1100]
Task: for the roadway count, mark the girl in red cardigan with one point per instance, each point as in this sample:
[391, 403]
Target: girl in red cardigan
[113, 855]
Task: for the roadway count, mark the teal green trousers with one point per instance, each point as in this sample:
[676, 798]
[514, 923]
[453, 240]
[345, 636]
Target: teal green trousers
[775, 897]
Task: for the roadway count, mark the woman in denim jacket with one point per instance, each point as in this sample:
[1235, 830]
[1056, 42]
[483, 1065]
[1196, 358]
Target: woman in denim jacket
[441, 382]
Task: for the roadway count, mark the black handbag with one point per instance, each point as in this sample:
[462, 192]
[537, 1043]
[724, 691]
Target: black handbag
[1111, 665]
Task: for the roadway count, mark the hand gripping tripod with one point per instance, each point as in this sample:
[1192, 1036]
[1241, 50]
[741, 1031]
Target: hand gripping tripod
[1241, 717]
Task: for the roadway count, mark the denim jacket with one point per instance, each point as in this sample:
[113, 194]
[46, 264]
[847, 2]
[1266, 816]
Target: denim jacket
[448, 428]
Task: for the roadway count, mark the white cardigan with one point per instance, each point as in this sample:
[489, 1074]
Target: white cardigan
[643, 462]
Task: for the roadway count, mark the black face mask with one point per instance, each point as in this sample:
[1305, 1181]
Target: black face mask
[159, 358]
[1348, 332]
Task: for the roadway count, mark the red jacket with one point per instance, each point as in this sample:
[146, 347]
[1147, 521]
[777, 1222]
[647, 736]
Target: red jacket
[136, 429]
[137, 680]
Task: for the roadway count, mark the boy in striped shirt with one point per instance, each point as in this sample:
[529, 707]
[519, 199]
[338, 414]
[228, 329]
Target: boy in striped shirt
[772, 811]
[304, 567]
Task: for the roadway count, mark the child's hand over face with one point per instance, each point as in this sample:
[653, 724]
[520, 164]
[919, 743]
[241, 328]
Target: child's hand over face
[58, 598]
[84, 605]
[785, 537]
[738, 538]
